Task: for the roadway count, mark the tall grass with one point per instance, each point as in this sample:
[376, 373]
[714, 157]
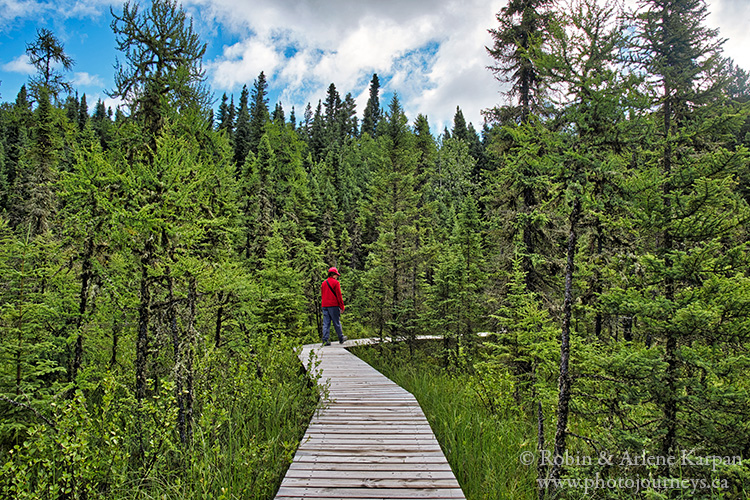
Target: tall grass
[252, 409]
[482, 447]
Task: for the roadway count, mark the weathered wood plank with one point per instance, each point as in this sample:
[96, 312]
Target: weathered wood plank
[405, 475]
[370, 482]
[384, 459]
[369, 440]
[333, 467]
[369, 493]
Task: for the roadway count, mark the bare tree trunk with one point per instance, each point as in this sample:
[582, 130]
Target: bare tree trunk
[178, 347]
[86, 275]
[144, 317]
[670, 398]
[189, 397]
[563, 401]
[541, 467]
[219, 320]
[116, 329]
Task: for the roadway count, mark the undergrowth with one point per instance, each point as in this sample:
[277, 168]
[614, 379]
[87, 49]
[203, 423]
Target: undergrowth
[482, 443]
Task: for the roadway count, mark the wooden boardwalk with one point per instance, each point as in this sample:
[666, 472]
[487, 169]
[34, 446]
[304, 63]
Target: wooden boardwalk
[370, 440]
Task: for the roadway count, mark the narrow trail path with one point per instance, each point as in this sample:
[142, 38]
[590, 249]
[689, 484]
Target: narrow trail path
[370, 440]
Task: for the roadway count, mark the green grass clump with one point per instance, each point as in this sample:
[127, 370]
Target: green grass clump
[481, 445]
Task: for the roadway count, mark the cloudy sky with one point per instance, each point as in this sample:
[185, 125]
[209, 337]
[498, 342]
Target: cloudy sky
[431, 52]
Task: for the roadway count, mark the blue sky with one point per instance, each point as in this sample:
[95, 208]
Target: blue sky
[429, 51]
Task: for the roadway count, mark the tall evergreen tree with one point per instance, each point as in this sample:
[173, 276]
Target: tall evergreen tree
[305, 128]
[518, 43]
[225, 118]
[293, 119]
[278, 115]
[34, 202]
[71, 108]
[83, 113]
[371, 116]
[396, 257]
[16, 138]
[331, 112]
[259, 114]
[348, 117]
[317, 138]
[257, 203]
[242, 137]
[102, 124]
[456, 307]
[460, 130]
[687, 210]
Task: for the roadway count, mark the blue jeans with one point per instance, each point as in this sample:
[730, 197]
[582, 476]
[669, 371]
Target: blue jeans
[332, 315]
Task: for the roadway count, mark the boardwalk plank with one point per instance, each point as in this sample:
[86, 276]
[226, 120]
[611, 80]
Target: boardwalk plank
[369, 440]
[369, 493]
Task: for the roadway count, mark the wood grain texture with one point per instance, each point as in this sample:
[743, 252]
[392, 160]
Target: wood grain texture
[368, 440]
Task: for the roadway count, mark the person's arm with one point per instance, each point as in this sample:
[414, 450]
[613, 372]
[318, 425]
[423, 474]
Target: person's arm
[340, 297]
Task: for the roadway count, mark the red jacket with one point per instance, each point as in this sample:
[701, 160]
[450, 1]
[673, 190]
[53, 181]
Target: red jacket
[331, 298]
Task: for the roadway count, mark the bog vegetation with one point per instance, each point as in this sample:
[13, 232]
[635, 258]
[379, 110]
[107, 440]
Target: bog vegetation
[159, 263]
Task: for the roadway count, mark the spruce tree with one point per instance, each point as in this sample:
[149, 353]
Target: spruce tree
[293, 119]
[289, 180]
[278, 115]
[16, 138]
[225, 118]
[259, 114]
[460, 130]
[102, 124]
[83, 113]
[456, 304]
[257, 203]
[280, 308]
[71, 108]
[317, 141]
[333, 130]
[242, 139]
[397, 255]
[34, 201]
[348, 117]
[371, 116]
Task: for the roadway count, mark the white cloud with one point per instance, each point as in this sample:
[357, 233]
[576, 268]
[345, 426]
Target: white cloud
[242, 62]
[430, 52]
[87, 80]
[15, 9]
[20, 65]
[20, 10]
[345, 41]
[731, 17]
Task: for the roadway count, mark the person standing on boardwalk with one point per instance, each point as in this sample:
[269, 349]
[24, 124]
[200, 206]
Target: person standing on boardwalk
[333, 305]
